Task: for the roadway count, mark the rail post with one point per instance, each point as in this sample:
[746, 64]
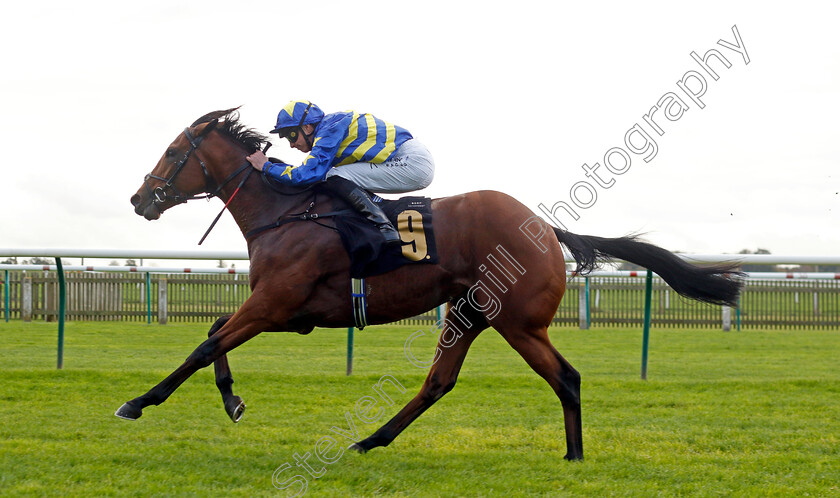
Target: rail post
[588, 316]
[62, 302]
[349, 350]
[726, 312]
[646, 332]
[26, 299]
[583, 305]
[6, 294]
[148, 298]
[162, 311]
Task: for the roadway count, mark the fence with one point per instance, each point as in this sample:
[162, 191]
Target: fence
[131, 296]
[610, 299]
[823, 311]
[769, 300]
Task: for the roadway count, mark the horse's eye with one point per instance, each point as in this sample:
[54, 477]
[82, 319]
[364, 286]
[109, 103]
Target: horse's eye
[170, 153]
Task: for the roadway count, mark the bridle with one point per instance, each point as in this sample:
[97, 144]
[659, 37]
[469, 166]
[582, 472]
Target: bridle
[163, 193]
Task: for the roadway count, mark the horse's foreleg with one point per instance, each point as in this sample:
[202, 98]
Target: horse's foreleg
[234, 406]
[441, 380]
[231, 334]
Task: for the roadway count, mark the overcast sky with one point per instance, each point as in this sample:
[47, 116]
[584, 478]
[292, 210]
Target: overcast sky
[510, 96]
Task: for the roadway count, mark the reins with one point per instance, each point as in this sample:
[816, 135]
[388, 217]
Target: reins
[242, 182]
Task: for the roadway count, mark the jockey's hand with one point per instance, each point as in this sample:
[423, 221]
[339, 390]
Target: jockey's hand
[257, 160]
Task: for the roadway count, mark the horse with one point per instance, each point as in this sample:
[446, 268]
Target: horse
[499, 266]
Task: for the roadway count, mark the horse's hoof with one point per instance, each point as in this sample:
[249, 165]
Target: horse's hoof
[129, 412]
[356, 447]
[238, 409]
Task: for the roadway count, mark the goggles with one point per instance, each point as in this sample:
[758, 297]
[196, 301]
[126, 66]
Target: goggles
[289, 133]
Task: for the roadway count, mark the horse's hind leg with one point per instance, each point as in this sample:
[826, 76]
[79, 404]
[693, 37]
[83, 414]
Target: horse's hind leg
[535, 347]
[441, 379]
[234, 406]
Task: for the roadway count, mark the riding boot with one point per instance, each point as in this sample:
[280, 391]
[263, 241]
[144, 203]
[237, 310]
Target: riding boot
[361, 201]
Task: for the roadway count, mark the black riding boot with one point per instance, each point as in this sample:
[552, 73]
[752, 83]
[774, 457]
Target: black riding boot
[361, 201]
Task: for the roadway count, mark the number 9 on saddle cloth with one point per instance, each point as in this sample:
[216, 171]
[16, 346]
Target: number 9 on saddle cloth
[369, 256]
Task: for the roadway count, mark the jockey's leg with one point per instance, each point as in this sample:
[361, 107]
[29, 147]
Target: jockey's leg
[410, 168]
[361, 201]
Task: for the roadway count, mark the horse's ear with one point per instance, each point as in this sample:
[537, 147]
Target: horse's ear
[205, 128]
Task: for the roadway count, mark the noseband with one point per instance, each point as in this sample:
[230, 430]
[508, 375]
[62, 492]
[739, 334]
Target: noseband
[169, 190]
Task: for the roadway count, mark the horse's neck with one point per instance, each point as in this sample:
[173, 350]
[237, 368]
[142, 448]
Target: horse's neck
[256, 205]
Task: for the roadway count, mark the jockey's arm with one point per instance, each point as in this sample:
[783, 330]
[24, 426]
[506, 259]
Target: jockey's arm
[313, 169]
[304, 174]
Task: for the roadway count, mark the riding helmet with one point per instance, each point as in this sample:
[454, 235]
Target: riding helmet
[296, 114]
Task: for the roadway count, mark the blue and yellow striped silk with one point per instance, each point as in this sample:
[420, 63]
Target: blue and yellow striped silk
[342, 138]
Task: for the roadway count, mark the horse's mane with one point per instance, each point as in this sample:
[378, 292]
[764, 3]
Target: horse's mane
[228, 124]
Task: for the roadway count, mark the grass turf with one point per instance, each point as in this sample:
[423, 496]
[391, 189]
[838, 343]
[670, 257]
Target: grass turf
[738, 413]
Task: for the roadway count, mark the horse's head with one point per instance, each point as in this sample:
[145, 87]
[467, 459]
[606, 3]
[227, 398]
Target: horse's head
[188, 168]
[180, 174]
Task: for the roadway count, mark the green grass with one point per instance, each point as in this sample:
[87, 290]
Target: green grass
[752, 413]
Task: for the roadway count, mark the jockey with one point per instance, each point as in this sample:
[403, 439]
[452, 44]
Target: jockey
[354, 154]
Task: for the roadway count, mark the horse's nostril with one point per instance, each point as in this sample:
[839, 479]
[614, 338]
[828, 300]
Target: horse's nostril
[135, 200]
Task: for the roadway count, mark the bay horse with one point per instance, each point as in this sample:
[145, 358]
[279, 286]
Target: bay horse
[299, 273]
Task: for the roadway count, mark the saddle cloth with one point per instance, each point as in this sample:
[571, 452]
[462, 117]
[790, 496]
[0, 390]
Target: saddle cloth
[369, 256]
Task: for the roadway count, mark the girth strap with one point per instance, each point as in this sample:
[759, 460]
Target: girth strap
[359, 300]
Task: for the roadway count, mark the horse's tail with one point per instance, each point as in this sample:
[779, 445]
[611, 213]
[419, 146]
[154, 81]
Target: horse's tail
[716, 284]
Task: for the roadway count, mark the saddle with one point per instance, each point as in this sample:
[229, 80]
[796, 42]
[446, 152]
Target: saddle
[370, 256]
